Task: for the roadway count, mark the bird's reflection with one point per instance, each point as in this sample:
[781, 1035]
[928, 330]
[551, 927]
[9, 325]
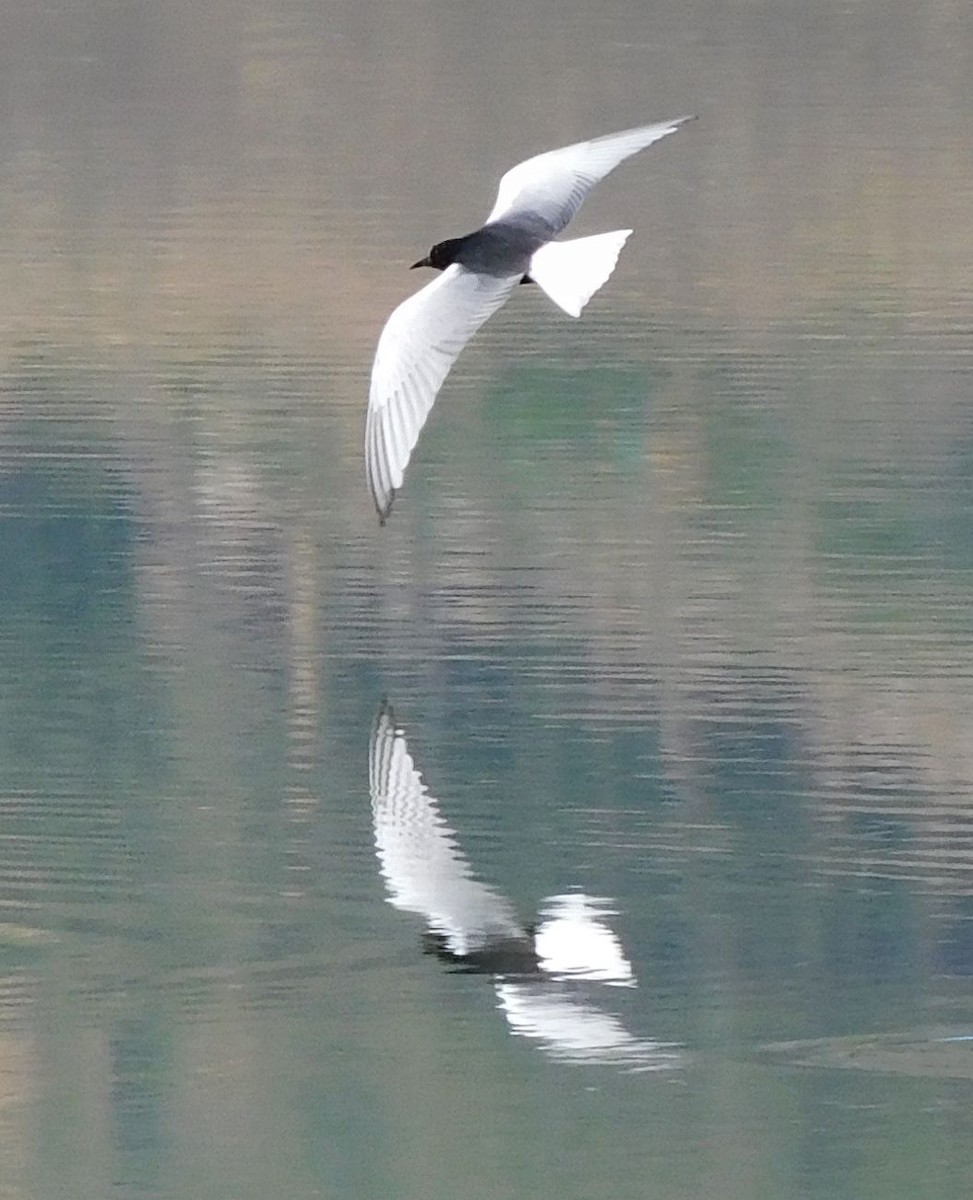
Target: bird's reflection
[541, 973]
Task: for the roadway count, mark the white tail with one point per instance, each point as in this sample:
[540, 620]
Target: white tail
[571, 272]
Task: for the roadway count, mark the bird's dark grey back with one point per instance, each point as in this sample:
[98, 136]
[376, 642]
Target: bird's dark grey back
[503, 248]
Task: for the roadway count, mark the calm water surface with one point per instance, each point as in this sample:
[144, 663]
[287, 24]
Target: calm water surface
[675, 609]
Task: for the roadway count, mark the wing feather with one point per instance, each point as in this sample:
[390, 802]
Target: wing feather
[553, 185]
[424, 869]
[419, 344]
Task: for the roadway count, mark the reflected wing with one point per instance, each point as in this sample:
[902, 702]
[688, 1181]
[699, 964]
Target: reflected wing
[424, 870]
[573, 1030]
[553, 185]
[574, 942]
[419, 344]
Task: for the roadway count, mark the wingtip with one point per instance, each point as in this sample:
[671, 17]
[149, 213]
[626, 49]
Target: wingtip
[383, 509]
[383, 725]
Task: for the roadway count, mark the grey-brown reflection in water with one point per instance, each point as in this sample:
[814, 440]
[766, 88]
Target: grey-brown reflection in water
[931, 1054]
[539, 971]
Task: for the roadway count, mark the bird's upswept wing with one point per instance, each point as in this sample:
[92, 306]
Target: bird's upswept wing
[419, 344]
[554, 184]
[424, 870]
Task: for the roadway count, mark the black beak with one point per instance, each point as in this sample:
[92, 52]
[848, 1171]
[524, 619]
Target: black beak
[423, 262]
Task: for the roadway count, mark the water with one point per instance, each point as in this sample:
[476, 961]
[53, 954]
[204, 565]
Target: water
[674, 609]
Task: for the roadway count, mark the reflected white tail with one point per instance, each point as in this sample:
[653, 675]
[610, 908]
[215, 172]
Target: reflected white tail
[571, 272]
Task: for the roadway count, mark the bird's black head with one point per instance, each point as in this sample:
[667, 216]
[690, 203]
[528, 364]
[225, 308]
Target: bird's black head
[442, 255]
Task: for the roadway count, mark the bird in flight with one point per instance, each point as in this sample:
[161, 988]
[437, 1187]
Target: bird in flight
[424, 336]
[539, 971]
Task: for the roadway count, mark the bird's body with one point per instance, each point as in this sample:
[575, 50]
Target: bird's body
[500, 249]
[426, 333]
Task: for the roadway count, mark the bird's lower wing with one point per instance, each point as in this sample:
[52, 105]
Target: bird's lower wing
[554, 184]
[424, 870]
[419, 344]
